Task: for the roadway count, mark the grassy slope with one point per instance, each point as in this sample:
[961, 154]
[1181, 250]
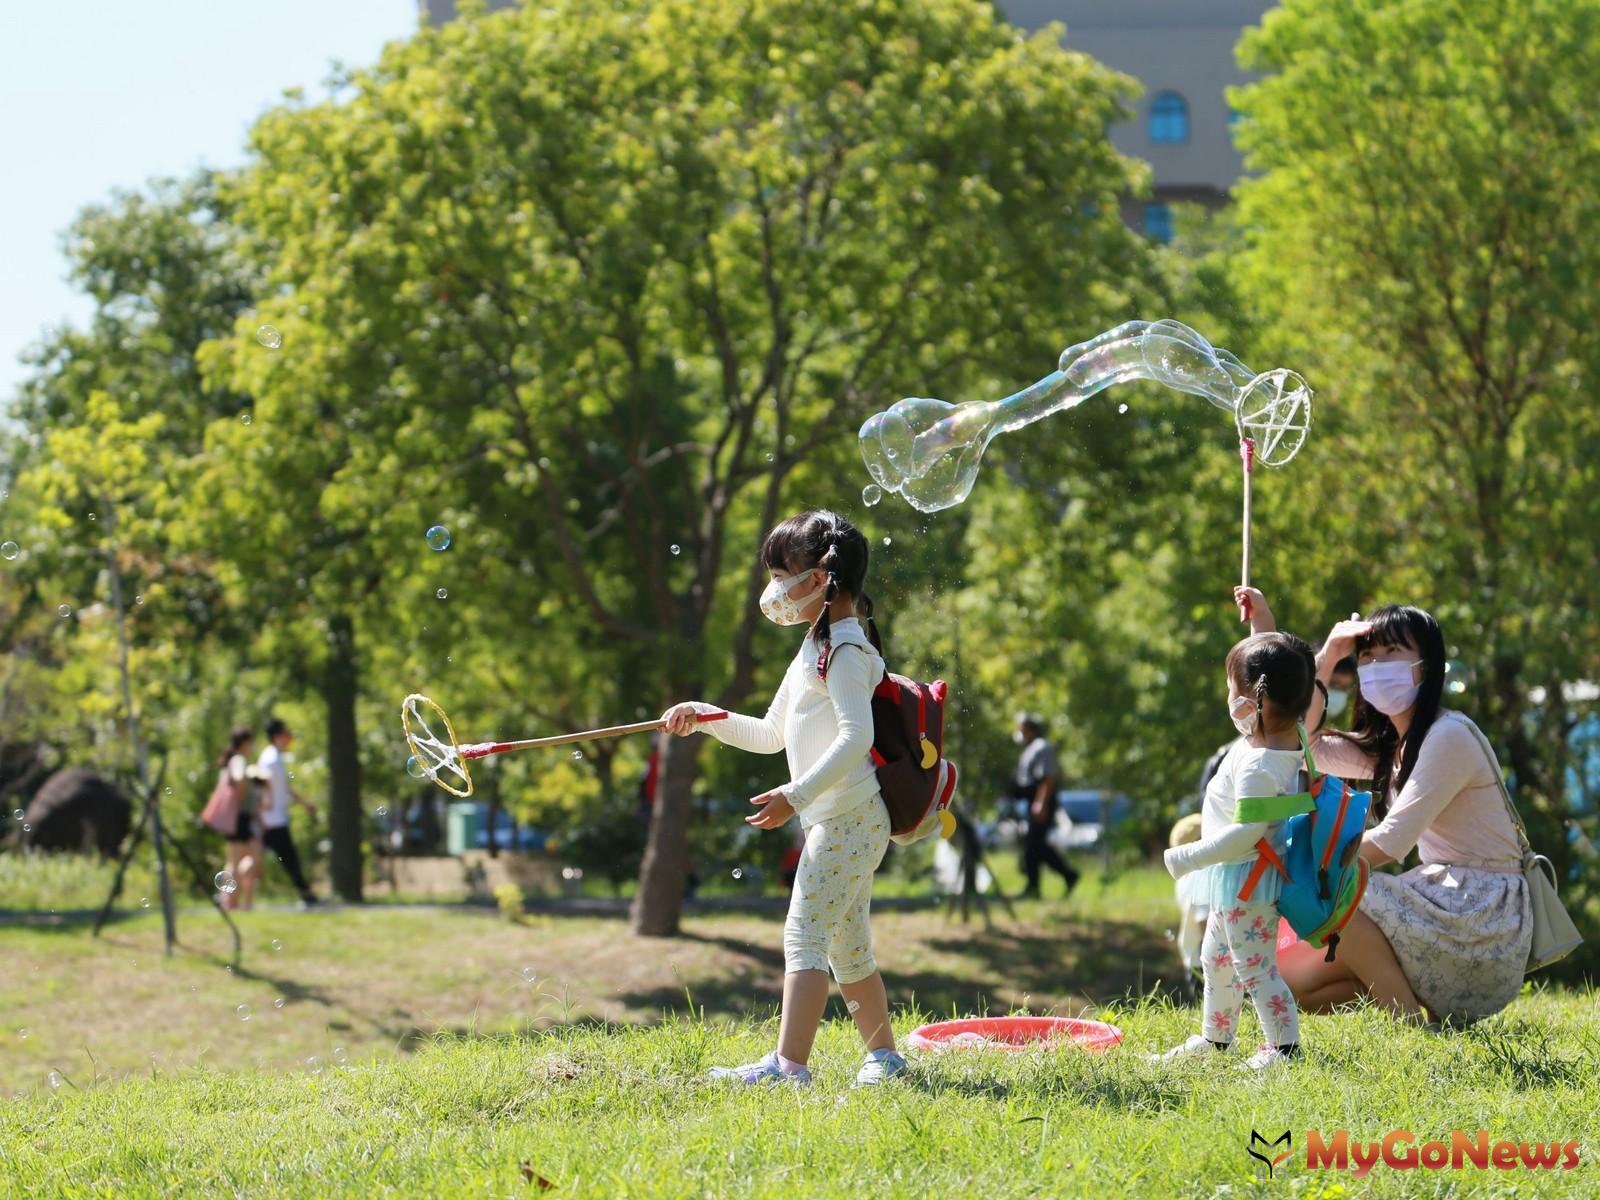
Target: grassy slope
[607, 1112]
[602, 1108]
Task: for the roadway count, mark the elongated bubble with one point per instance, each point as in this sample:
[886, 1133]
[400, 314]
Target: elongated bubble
[929, 451]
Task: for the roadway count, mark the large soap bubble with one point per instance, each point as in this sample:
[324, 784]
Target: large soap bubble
[929, 451]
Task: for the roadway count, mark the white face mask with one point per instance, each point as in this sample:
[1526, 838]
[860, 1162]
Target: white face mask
[1242, 711]
[1388, 686]
[779, 604]
[1338, 698]
[1019, 737]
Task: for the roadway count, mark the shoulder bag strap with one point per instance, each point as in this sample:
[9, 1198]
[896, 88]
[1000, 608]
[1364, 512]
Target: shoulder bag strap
[1505, 793]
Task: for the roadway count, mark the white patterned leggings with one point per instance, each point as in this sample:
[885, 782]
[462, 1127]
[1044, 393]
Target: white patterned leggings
[828, 924]
[1241, 957]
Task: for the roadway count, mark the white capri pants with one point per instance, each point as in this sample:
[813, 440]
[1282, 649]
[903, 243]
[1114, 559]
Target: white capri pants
[828, 924]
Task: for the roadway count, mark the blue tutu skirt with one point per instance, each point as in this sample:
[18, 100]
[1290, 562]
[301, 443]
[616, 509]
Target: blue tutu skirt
[1217, 886]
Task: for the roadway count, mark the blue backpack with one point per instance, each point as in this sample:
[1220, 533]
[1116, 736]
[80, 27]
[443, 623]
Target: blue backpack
[1324, 876]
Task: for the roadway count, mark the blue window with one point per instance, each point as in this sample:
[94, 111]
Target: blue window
[1158, 222]
[1169, 119]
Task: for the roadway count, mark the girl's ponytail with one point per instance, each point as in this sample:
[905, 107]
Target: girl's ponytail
[864, 603]
[829, 562]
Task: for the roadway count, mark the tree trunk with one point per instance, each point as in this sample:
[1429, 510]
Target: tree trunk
[658, 903]
[339, 689]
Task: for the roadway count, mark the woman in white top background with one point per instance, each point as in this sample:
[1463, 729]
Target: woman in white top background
[244, 841]
[822, 718]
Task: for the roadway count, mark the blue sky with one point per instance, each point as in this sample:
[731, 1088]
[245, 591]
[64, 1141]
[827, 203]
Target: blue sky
[104, 94]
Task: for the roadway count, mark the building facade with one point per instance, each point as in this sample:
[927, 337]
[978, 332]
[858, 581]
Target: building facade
[1181, 51]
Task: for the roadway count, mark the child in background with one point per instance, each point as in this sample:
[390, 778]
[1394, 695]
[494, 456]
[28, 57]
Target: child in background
[822, 718]
[1269, 689]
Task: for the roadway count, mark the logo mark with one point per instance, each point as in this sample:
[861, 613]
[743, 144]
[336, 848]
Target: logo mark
[1271, 1162]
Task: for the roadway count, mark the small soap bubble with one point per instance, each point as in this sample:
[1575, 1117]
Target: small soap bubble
[442, 594]
[438, 538]
[269, 337]
[576, 755]
[26, 828]
[278, 1003]
[382, 811]
[54, 1079]
[1122, 408]
[9, 551]
[871, 494]
[244, 418]
[853, 1005]
[92, 517]
[339, 1055]
[17, 814]
[139, 600]
[276, 944]
[676, 549]
[23, 1034]
[64, 610]
[144, 901]
[243, 1012]
[888, 541]
[529, 975]
[225, 883]
[314, 1065]
[738, 872]
[168, 791]
[415, 767]
[1172, 935]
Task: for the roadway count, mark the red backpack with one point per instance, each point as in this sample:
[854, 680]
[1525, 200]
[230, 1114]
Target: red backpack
[916, 780]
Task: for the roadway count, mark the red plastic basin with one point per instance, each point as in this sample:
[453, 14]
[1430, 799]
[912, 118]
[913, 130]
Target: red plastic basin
[1014, 1033]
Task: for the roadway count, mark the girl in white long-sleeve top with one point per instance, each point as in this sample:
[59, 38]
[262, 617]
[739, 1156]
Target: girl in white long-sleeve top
[821, 718]
[1269, 689]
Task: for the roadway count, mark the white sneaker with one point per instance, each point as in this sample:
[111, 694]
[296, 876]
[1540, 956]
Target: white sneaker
[880, 1067]
[1195, 1047]
[1265, 1058]
[765, 1071]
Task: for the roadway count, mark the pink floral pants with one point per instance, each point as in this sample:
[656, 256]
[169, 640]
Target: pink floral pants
[1241, 958]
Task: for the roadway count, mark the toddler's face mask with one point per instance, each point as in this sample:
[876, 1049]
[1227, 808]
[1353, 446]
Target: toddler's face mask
[1242, 710]
[779, 604]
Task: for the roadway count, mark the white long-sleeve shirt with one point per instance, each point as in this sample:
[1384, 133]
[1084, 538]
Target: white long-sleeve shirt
[824, 727]
[1245, 771]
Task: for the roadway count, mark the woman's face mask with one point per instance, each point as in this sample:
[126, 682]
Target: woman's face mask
[1242, 710]
[1338, 701]
[779, 603]
[1390, 686]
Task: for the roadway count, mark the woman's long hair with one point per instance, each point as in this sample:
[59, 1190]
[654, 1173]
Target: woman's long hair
[236, 740]
[1374, 733]
[824, 539]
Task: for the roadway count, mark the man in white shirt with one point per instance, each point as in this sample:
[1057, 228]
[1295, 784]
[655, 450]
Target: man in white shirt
[273, 769]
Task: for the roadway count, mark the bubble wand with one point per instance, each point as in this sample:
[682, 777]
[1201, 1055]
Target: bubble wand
[1247, 454]
[444, 760]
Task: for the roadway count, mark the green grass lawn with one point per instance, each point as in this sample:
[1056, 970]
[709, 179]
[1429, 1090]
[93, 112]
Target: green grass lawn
[461, 1077]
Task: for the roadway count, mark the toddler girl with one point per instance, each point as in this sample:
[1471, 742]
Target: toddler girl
[1269, 689]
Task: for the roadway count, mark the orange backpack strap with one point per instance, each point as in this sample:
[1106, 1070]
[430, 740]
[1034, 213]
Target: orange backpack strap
[1265, 856]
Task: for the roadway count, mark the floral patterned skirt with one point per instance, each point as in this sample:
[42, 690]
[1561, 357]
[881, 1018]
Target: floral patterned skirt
[1461, 935]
